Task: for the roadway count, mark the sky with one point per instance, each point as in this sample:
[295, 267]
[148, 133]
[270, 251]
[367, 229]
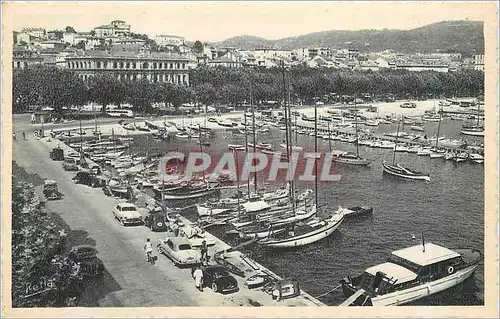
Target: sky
[216, 21]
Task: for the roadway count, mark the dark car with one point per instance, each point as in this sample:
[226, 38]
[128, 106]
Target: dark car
[89, 179]
[219, 279]
[156, 221]
[86, 255]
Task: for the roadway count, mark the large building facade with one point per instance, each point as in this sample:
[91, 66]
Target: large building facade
[155, 67]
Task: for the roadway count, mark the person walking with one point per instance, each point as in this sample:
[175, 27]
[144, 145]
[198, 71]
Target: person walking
[175, 228]
[148, 247]
[24, 135]
[204, 251]
[198, 278]
[14, 136]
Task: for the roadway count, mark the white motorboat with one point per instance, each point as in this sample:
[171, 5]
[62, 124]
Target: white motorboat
[351, 159]
[473, 131]
[424, 152]
[476, 158]
[401, 148]
[387, 144]
[295, 148]
[236, 147]
[461, 157]
[410, 274]
[372, 123]
[419, 128]
[182, 135]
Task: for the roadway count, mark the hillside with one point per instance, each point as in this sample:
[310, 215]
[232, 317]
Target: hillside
[459, 36]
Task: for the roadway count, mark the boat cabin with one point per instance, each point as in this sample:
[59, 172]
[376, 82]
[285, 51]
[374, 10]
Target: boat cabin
[410, 267]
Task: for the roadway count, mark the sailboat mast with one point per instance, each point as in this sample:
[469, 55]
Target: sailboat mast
[356, 125]
[246, 152]
[287, 135]
[201, 149]
[238, 182]
[330, 137]
[395, 145]
[316, 152]
[253, 135]
[289, 125]
[439, 126]
[477, 125]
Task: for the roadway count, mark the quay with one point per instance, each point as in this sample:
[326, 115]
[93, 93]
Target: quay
[245, 296]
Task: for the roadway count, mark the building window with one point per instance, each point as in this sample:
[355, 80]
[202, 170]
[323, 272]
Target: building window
[121, 65]
[171, 65]
[133, 65]
[128, 65]
[183, 65]
[145, 65]
[115, 65]
[18, 64]
[178, 65]
[98, 64]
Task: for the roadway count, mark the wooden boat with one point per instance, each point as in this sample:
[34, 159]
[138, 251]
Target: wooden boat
[400, 171]
[221, 259]
[460, 157]
[419, 128]
[357, 211]
[351, 159]
[236, 147]
[473, 131]
[410, 274]
[309, 233]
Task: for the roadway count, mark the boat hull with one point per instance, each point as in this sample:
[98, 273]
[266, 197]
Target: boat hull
[389, 171]
[306, 239]
[424, 290]
[472, 133]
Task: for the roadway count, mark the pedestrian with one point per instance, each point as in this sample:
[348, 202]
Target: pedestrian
[204, 251]
[277, 288]
[24, 135]
[14, 136]
[175, 228]
[198, 278]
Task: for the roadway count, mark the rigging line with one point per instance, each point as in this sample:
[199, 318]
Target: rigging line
[328, 292]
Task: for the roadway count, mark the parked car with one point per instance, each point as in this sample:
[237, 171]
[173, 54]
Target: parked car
[71, 164]
[219, 279]
[57, 154]
[156, 221]
[127, 214]
[179, 251]
[90, 265]
[50, 190]
[89, 179]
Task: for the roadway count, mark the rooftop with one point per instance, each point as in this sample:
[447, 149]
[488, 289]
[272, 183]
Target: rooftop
[432, 254]
[396, 272]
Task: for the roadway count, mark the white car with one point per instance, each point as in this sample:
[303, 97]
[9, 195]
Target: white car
[127, 214]
[179, 250]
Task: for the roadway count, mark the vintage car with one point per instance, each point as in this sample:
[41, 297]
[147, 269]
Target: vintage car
[219, 279]
[71, 164]
[57, 154]
[50, 190]
[90, 265]
[156, 221]
[179, 251]
[127, 214]
[89, 178]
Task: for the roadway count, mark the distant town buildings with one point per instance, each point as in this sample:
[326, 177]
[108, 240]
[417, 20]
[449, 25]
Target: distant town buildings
[114, 49]
[116, 28]
[479, 62]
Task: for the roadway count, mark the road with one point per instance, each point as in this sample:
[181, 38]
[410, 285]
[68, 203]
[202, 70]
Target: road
[129, 281]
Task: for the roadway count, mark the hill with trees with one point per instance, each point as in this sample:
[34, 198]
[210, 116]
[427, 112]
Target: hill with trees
[465, 37]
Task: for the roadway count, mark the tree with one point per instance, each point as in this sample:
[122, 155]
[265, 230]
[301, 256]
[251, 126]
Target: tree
[81, 45]
[198, 47]
[70, 29]
[36, 253]
[105, 90]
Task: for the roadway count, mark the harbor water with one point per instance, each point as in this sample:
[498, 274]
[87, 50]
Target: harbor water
[449, 211]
